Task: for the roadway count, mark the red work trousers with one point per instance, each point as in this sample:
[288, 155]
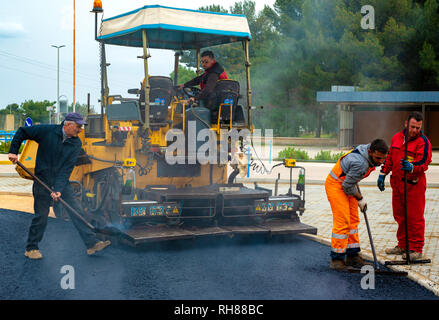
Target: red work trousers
[415, 211]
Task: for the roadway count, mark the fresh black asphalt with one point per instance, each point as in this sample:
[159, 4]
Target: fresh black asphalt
[251, 267]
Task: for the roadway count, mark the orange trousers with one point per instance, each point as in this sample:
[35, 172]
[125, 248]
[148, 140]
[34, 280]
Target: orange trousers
[345, 239]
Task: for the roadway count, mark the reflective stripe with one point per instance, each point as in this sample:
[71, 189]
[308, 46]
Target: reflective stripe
[332, 174]
[353, 245]
[353, 231]
[339, 236]
[338, 250]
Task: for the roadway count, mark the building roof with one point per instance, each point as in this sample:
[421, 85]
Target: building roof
[379, 97]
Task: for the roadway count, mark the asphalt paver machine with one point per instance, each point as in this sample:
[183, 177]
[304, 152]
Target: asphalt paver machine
[144, 167]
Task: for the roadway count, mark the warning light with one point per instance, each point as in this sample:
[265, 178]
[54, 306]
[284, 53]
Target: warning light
[97, 6]
[289, 163]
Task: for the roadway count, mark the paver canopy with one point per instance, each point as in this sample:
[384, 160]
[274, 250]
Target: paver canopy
[173, 28]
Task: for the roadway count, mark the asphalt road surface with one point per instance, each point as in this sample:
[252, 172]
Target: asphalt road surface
[251, 267]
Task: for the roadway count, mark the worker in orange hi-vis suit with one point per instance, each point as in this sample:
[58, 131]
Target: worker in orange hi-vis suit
[345, 197]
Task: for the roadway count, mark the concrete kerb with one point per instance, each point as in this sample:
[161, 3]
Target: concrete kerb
[9, 174]
[260, 180]
[16, 193]
[312, 182]
[366, 254]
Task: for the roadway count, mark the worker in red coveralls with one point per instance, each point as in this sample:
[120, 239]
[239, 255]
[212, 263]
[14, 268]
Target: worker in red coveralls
[418, 159]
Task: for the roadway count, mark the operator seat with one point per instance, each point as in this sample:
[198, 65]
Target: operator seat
[226, 91]
[161, 91]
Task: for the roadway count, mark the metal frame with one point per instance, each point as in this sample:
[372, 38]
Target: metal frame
[218, 130]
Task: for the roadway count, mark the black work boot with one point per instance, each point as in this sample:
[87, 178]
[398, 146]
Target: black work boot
[355, 261]
[339, 265]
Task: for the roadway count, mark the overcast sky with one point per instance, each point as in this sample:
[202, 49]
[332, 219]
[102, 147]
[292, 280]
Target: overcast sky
[28, 63]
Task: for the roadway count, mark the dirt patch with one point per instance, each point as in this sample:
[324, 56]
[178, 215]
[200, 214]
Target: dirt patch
[19, 203]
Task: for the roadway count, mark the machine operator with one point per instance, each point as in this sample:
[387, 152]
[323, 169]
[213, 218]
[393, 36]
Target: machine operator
[213, 71]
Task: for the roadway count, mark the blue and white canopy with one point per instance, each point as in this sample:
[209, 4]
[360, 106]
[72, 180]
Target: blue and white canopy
[173, 28]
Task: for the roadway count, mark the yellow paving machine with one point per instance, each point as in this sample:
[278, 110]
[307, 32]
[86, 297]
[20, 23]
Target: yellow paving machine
[154, 164]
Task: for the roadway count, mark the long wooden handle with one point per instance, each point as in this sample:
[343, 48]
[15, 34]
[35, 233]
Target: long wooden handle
[60, 199]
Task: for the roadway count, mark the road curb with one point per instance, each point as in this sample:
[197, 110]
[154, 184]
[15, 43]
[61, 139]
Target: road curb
[412, 275]
[251, 181]
[258, 180]
[313, 182]
[16, 193]
[9, 174]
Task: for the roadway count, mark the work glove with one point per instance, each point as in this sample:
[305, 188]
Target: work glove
[362, 204]
[380, 182]
[406, 165]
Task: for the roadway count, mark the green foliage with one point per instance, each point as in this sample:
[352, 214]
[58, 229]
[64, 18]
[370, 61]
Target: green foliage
[4, 147]
[231, 56]
[300, 47]
[81, 108]
[184, 74]
[299, 154]
[213, 8]
[323, 155]
[36, 110]
[337, 155]
[327, 156]
[12, 108]
[293, 153]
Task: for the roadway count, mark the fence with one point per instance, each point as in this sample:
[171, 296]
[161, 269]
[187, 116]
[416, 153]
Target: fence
[6, 136]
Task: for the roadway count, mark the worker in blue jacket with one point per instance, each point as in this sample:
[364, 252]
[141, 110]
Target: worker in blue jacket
[58, 150]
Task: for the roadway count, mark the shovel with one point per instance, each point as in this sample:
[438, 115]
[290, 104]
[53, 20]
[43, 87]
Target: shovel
[375, 261]
[111, 231]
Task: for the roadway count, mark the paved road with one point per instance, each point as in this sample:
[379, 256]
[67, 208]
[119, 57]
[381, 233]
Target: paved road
[210, 268]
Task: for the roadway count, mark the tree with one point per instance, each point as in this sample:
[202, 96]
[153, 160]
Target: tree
[300, 47]
[231, 56]
[12, 108]
[184, 74]
[36, 110]
[81, 108]
[322, 43]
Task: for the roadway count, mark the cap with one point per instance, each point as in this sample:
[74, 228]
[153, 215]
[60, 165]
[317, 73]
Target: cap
[76, 117]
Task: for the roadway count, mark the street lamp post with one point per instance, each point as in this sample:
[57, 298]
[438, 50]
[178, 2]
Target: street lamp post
[57, 90]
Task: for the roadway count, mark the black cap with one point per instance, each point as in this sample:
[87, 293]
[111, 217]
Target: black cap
[76, 117]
